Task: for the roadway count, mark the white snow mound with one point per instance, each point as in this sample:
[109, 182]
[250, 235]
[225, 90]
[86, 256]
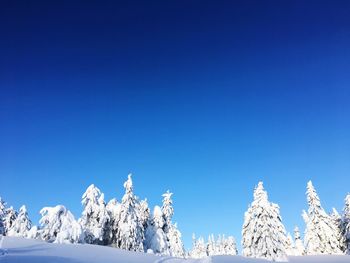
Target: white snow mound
[18, 250]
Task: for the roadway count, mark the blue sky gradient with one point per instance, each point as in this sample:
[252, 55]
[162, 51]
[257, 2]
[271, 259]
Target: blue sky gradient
[204, 98]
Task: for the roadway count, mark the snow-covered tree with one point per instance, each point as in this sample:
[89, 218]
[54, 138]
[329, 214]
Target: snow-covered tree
[220, 246]
[71, 231]
[320, 233]
[211, 246]
[9, 219]
[167, 210]
[113, 209]
[229, 246]
[155, 237]
[144, 213]
[95, 217]
[290, 245]
[199, 248]
[21, 225]
[34, 233]
[171, 231]
[337, 221]
[2, 216]
[298, 243]
[346, 224]
[130, 232]
[58, 225]
[176, 246]
[263, 234]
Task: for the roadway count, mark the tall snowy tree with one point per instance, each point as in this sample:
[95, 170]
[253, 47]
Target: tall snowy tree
[9, 219]
[346, 224]
[113, 209]
[176, 246]
[337, 221]
[95, 217]
[321, 233]
[2, 216]
[168, 210]
[22, 224]
[173, 235]
[155, 237]
[298, 243]
[144, 213]
[58, 225]
[263, 234]
[130, 232]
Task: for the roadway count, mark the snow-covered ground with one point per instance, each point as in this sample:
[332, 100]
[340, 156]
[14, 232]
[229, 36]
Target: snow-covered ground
[17, 250]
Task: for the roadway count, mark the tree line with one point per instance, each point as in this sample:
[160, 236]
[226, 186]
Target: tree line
[127, 225]
[130, 225]
[264, 235]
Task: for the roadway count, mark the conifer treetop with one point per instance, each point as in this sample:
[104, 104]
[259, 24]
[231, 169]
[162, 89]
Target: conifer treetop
[312, 196]
[167, 195]
[128, 184]
[92, 194]
[259, 193]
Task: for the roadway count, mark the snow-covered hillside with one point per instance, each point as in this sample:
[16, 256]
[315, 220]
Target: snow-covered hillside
[18, 250]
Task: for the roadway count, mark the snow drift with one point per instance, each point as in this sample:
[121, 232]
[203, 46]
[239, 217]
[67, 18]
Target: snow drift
[18, 250]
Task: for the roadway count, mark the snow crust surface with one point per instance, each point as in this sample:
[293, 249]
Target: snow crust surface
[18, 250]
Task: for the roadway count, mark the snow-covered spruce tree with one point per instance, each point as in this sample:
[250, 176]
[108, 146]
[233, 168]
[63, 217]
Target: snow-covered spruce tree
[199, 248]
[22, 224]
[2, 216]
[94, 217]
[155, 238]
[9, 219]
[144, 215]
[191, 252]
[337, 221]
[130, 232]
[113, 209]
[263, 234]
[320, 233]
[221, 246]
[298, 243]
[175, 242]
[34, 233]
[216, 246]
[58, 225]
[167, 210]
[290, 250]
[230, 246]
[173, 235]
[211, 246]
[346, 224]
[144, 212]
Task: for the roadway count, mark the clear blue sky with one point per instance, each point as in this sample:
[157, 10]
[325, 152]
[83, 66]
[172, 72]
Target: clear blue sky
[202, 98]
